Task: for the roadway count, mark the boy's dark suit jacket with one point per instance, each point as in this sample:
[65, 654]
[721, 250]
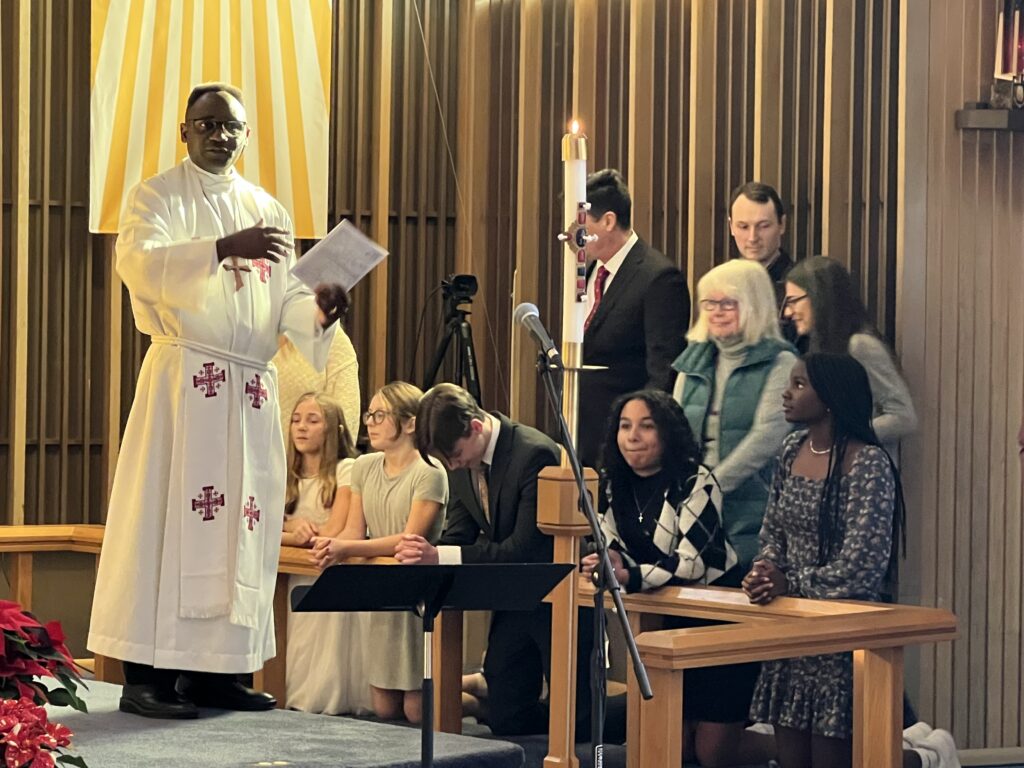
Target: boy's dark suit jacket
[511, 535]
[519, 644]
[639, 328]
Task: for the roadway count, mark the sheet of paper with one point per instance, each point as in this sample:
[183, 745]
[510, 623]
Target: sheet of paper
[344, 256]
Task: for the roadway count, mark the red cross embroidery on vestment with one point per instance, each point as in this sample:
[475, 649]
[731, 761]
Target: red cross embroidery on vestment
[251, 512]
[256, 391]
[208, 502]
[209, 379]
[263, 267]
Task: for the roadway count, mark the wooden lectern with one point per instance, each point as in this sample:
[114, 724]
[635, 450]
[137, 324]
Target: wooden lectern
[558, 515]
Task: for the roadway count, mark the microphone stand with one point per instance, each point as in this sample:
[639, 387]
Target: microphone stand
[603, 577]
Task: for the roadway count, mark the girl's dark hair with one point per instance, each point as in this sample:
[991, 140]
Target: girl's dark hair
[842, 385]
[680, 453]
[838, 311]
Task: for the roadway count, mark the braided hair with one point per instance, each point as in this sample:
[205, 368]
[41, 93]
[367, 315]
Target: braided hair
[842, 385]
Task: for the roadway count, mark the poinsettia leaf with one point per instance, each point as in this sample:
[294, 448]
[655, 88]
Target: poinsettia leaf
[63, 697]
[72, 760]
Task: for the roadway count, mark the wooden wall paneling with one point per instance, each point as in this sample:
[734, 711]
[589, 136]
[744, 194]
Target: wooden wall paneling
[585, 37]
[943, 216]
[678, 191]
[351, 126]
[554, 119]
[837, 138]
[769, 104]
[40, 331]
[64, 100]
[484, 243]
[383, 42]
[443, 170]
[1000, 346]
[501, 203]
[6, 185]
[701, 206]
[420, 219]
[913, 169]
[724, 69]
[669, 128]
[865, 182]
[1010, 228]
[937, 477]
[736, 57]
[7, 58]
[608, 130]
[524, 387]
[643, 113]
[975, 353]
[404, 188]
[19, 281]
[954, 420]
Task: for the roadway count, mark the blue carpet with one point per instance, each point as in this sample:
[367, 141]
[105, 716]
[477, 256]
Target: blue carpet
[107, 738]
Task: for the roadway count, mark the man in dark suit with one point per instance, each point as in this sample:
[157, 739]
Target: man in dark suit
[640, 311]
[492, 518]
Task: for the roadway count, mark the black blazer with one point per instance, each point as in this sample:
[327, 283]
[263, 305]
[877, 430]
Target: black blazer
[639, 328]
[512, 535]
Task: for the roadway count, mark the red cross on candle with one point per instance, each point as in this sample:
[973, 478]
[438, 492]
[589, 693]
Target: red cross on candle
[256, 391]
[263, 267]
[208, 502]
[251, 512]
[209, 379]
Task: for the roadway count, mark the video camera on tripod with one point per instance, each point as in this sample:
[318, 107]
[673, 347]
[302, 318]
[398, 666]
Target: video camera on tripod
[457, 290]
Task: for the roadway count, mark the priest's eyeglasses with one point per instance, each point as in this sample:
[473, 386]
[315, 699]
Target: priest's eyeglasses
[375, 417]
[206, 126]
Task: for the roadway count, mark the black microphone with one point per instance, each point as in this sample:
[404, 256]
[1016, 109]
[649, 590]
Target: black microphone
[528, 316]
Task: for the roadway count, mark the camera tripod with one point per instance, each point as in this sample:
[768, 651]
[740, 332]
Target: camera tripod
[457, 328]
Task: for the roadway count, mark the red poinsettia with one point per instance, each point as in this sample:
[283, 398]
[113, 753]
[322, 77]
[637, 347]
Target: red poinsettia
[31, 650]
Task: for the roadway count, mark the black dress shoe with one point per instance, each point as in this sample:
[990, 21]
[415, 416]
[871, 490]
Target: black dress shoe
[225, 694]
[150, 701]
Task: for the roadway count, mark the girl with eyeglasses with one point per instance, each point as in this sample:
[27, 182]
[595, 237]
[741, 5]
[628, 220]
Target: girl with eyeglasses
[394, 492]
[317, 496]
[729, 382]
[823, 304]
[832, 531]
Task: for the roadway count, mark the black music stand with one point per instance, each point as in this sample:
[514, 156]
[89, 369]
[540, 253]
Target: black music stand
[426, 590]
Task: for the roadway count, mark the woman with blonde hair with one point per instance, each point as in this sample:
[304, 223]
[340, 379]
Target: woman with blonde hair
[325, 662]
[729, 383]
[394, 492]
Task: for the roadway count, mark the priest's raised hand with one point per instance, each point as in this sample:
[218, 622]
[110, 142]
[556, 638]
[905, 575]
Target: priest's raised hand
[256, 242]
[333, 303]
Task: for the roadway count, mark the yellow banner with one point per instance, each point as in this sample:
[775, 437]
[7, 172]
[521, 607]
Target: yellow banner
[148, 54]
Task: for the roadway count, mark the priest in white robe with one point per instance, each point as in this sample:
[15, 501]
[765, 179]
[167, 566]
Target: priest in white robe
[186, 578]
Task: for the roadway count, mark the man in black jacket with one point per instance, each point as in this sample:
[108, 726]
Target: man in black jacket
[492, 518]
[757, 221]
[640, 311]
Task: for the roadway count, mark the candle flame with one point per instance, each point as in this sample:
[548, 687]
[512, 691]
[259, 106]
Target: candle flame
[574, 127]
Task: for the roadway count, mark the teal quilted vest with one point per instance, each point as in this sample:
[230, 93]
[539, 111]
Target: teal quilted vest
[744, 506]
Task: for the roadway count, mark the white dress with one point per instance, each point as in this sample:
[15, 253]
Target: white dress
[327, 652]
[189, 562]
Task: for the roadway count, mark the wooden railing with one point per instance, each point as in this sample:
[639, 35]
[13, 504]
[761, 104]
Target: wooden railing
[786, 628]
[20, 542]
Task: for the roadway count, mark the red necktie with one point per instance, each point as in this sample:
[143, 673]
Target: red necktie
[602, 275]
